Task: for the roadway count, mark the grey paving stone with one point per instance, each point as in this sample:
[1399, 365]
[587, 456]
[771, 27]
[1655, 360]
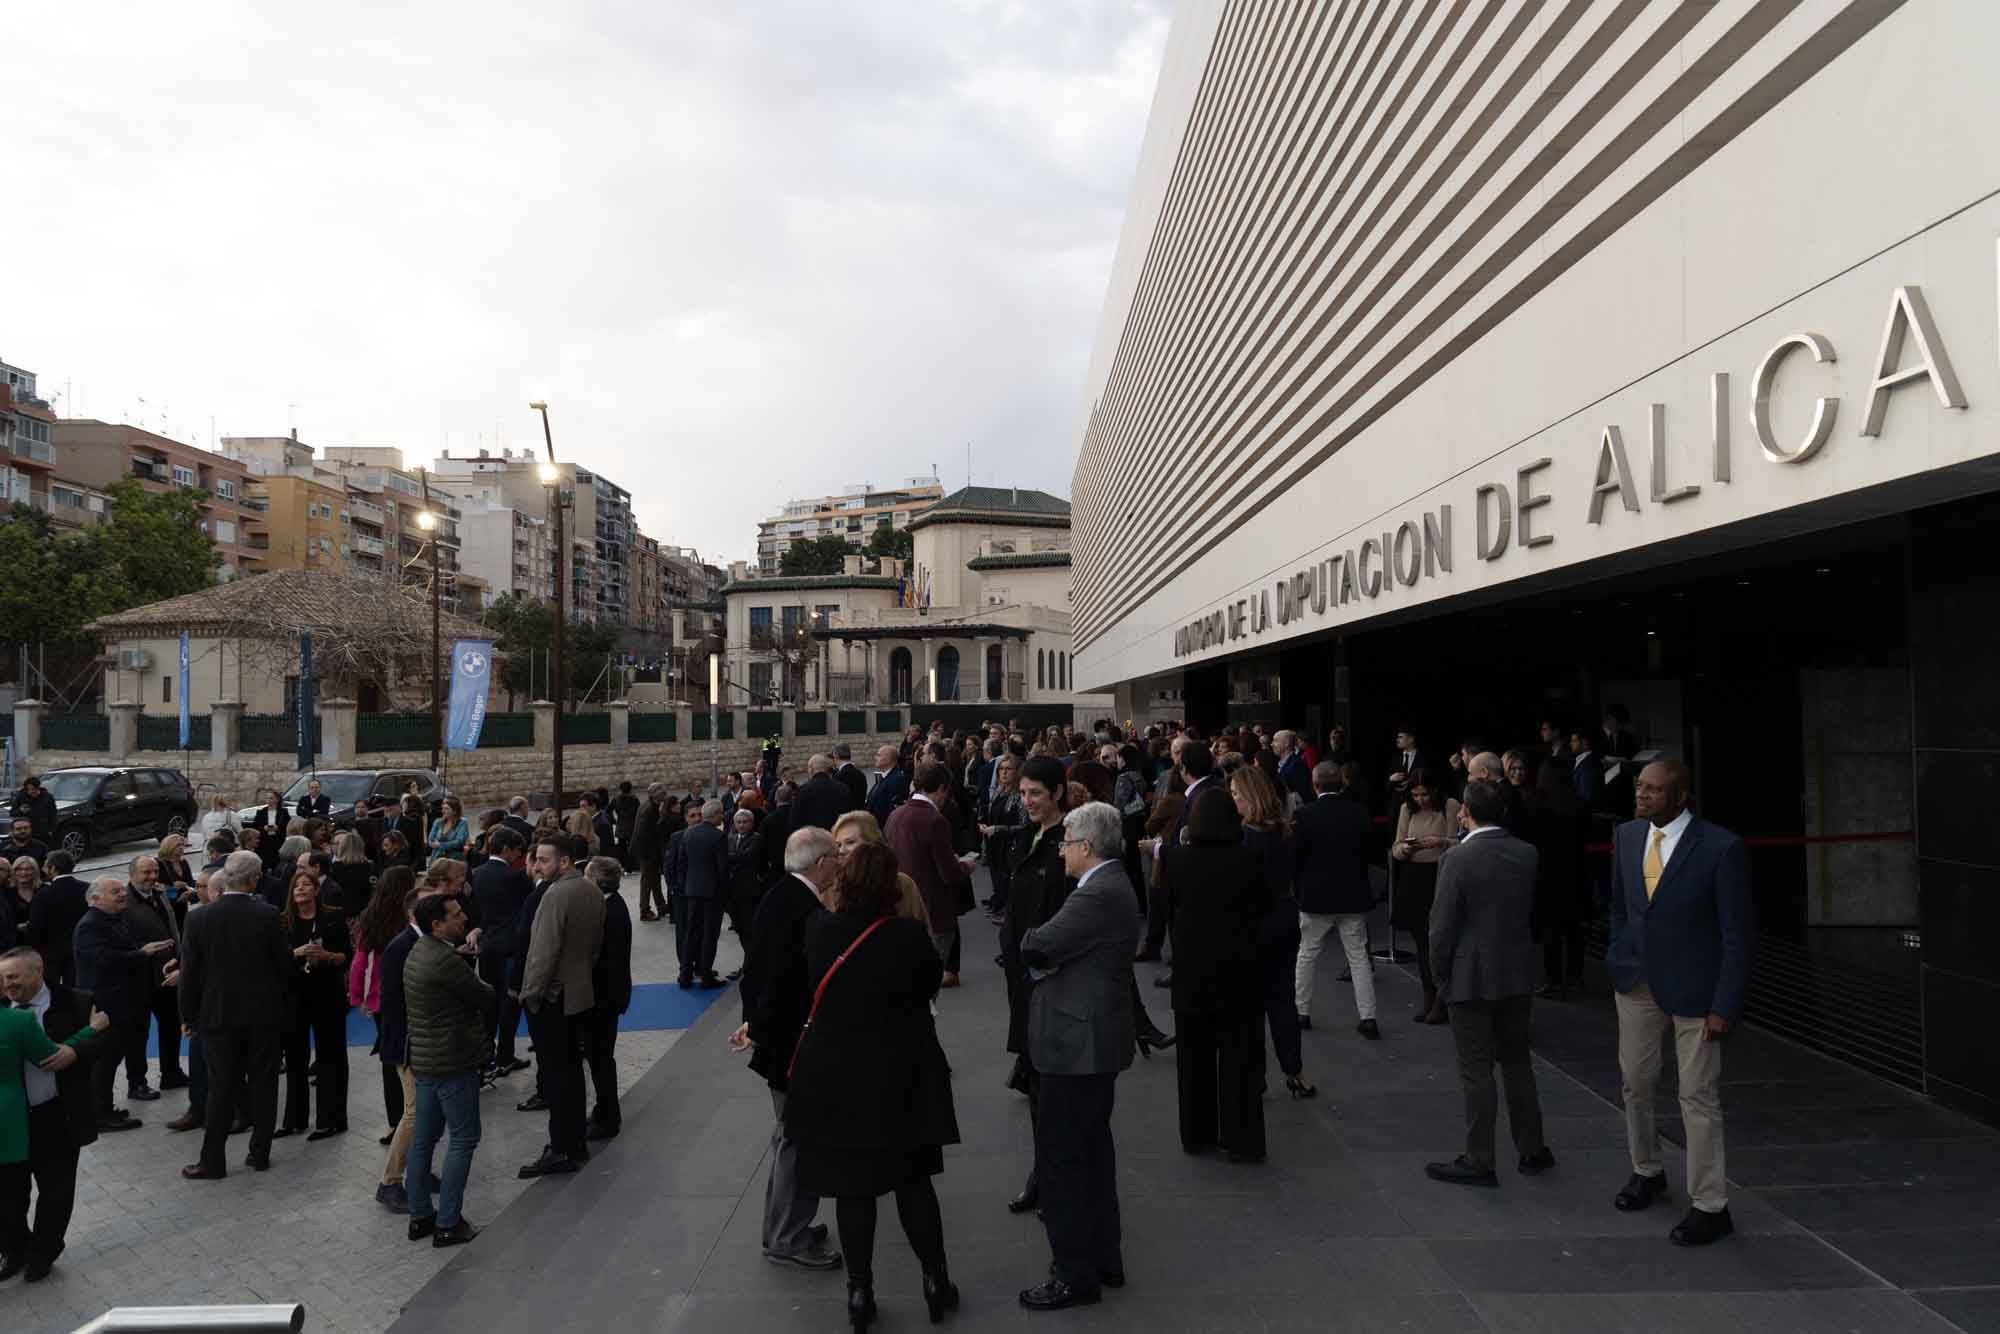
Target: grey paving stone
[1640, 1264]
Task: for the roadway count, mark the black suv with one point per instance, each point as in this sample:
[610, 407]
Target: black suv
[98, 807]
[368, 789]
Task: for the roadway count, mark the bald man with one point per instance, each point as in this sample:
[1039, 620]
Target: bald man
[1682, 931]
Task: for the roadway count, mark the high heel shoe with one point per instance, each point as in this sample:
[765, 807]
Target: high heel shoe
[860, 1304]
[940, 1293]
[1150, 1037]
[1145, 1045]
[1297, 1086]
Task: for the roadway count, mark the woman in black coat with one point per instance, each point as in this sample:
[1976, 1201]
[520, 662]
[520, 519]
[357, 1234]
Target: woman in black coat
[1221, 896]
[320, 945]
[870, 1099]
[1560, 826]
[1268, 833]
[271, 823]
[351, 879]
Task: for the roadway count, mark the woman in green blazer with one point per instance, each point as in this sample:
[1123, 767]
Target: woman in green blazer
[22, 1039]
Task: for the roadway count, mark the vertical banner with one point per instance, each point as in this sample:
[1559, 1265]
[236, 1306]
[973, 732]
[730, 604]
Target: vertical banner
[303, 705]
[184, 690]
[471, 670]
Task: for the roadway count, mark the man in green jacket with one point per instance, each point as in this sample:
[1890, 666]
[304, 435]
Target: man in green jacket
[450, 1042]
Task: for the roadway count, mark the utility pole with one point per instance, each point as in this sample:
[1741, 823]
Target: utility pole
[551, 476]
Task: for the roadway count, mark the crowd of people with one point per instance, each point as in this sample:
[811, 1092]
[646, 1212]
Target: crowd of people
[1228, 859]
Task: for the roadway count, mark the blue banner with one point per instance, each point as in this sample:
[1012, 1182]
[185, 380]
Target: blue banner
[471, 670]
[302, 707]
[184, 690]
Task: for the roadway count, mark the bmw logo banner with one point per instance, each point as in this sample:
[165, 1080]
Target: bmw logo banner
[471, 669]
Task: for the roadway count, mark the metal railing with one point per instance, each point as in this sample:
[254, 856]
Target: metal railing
[198, 1320]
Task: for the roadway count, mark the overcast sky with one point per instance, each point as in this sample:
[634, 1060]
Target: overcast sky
[746, 249]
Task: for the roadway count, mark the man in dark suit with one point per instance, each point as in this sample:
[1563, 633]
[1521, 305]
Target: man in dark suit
[823, 799]
[1405, 761]
[1488, 767]
[777, 995]
[149, 917]
[1682, 931]
[1330, 877]
[500, 890]
[21, 842]
[235, 985]
[1294, 777]
[1080, 1034]
[62, 1116]
[1483, 951]
[315, 804]
[920, 836]
[611, 983]
[701, 876]
[843, 769]
[113, 967]
[892, 789]
[53, 916]
[1586, 771]
[517, 820]
[517, 969]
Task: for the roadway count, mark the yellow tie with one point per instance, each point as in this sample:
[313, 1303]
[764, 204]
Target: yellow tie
[1654, 867]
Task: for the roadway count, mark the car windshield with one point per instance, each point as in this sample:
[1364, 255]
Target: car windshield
[340, 789]
[71, 786]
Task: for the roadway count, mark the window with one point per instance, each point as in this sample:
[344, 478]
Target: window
[1062, 671]
[97, 504]
[118, 787]
[823, 615]
[66, 498]
[760, 681]
[226, 489]
[166, 688]
[225, 531]
[794, 623]
[1041, 669]
[183, 476]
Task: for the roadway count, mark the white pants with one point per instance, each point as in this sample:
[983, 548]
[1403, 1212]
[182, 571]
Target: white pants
[1313, 927]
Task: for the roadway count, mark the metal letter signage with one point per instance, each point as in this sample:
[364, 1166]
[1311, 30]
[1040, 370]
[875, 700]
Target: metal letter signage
[1824, 407]
[1614, 473]
[1909, 313]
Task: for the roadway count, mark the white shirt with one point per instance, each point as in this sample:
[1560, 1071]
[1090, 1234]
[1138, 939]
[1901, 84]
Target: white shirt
[1578, 764]
[1673, 830]
[41, 1085]
[1477, 830]
[1084, 879]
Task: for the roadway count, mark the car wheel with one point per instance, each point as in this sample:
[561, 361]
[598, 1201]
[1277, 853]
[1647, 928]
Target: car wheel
[75, 840]
[177, 824]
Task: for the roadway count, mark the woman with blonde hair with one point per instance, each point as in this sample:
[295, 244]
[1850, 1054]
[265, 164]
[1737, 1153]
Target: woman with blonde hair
[853, 829]
[219, 816]
[352, 874]
[1267, 831]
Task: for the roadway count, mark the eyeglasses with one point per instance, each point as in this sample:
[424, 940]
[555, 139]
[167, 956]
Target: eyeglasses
[1074, 843]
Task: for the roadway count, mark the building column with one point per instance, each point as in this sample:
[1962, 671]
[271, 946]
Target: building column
[225, 730]
[545, 724]
[920, 687]
[621, 722]
[27, 729]
[337, 731]
[870, 691]
[124, 728]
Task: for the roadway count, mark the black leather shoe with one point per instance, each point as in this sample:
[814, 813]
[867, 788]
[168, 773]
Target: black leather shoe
[258, 1162]
[109, 1124]
[1538, 1162]
[1028, 1200]
[391, 1196]
[549, 1165]
[1305, 1023]
[601, 1132]
[456, 1235]
[1459, 1172]
[1111, 1278]
[534, 1102]
[176, 1080]
[38, 1270]
[142, 1093]
[327, 1132]
[1369, 1029]
[11, 1265]
[860, 1305]
[1699, 1229]
[1055, 1294]
[1639, 1192]
[423, 1227]
[940, 1293]
[1163, 980]
[196, 1172]
[286, 1132]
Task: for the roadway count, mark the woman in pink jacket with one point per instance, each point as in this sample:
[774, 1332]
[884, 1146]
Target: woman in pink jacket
[388, 912]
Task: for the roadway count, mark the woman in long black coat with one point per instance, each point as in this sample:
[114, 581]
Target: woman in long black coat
[870, 1099]
[1221, 896]
[1037, 888]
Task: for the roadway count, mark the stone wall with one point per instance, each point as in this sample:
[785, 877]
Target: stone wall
[489, 777]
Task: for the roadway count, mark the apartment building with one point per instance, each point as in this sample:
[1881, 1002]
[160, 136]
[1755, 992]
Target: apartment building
[385, 501]
[597, 526]
[27, 437]
[853, 514]
[94, 454]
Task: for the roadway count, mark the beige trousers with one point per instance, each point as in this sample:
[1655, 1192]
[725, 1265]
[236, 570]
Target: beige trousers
[1640, 1025]
[399, 1143]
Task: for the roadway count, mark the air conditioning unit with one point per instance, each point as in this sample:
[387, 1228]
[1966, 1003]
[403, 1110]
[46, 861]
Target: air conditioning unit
[134, 659]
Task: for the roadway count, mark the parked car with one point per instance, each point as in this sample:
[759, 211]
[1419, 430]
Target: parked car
[357, 795]
[96, 807]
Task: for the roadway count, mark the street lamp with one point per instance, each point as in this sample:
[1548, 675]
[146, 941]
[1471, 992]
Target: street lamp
[714, 720]
[551, 476]
[428, 521]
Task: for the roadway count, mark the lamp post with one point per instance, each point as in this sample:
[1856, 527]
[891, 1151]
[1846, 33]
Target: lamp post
[428, 521]
[714, 722]
[551, 476]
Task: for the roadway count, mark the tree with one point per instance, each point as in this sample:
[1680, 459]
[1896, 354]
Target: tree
[889, 540]
[35, 601]
[524, 632]
[152, 548]
[815, 555]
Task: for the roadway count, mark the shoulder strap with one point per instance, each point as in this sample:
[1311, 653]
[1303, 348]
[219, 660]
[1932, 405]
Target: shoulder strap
[820, 991]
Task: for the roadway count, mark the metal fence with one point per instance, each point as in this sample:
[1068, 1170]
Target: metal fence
[853, 720]
[274, 733]
[586, 729]
[725, 728]
[651, 727]
[507, 729]
[763, 722]
[809, 722]
[76, 731]
[165, 733]
[888, 720]
[392, 731]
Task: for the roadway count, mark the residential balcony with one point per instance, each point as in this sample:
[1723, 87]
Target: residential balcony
[366, 545]
[33, 453]
[256, 542]
[366, 511]
[148, 471]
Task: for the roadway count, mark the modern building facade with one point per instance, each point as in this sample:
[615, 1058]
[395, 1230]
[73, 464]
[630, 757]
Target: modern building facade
[1469, 366]
[94, 454]
[27, 440]
[853, 514]
[597, 526]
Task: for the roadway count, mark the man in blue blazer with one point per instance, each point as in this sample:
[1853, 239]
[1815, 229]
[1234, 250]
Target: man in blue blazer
[1679, 955]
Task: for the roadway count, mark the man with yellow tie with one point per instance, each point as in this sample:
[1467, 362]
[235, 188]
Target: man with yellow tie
[1679, 954]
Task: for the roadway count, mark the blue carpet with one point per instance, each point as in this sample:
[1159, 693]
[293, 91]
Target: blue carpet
[656, 1006]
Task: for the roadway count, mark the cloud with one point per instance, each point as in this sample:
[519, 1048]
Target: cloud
[746, 250]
